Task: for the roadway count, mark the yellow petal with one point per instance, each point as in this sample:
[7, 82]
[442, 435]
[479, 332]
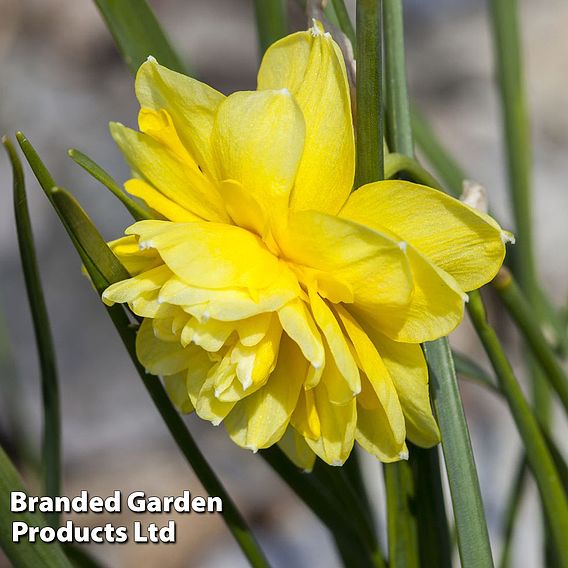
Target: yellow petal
[211, 335]
[259, 420]
[252, 330]
[375, 436]
[299, 324]
[305, 418]
[161, 357]
[338, 388]
[310, 65]
[258, 139]
[197, 373]
[337, 428]
[191, 104]
[409, 373]
[465, 243]
[371, 263]
[244, 208]
[128, 290]
[336, 343]
[179, 180]
[254, 364]
[208, 406]
[159, 125]
[227, 304]
[296, 449]
[176, 387]
[126, 249]
[158, 201]
[211, 255]
[435, 309]
[374, 368]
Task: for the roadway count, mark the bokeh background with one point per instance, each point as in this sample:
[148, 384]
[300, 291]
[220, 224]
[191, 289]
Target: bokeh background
[61, 81]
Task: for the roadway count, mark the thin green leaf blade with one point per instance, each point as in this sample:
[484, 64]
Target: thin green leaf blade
[91, 167]
[271, 22]
[138, 34]
[473, 537]
[51, 443]
[23, 554]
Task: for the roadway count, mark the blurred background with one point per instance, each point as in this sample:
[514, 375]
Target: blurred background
[62, 81]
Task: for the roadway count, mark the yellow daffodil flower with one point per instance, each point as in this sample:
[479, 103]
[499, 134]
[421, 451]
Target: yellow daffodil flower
[273, 299]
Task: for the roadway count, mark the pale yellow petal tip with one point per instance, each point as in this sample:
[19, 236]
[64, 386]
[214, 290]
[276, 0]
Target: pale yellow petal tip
[507, 237]
[337, 463]
[465, 298]
[402, 246]
[403, 455]
[152, 59]
[317, 29]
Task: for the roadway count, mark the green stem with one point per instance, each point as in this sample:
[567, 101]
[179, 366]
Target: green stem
[434, 539]
[402, 529]
[471, 528]
[271, 22]
[370, 164]
[520, 310]
[396, 93]
[538, 455]
[51, 446]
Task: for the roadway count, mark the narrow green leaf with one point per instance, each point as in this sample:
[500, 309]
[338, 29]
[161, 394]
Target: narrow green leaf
[402, 530]
[136, 210]
[521, 311]
[434, 539]
[473, 537]
[553, 497]
[104, 269]
[271, 22]
[92, 244]
[51, 444]
[137, 33]
[23, 554]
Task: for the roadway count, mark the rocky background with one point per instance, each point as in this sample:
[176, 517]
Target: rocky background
[61, 81]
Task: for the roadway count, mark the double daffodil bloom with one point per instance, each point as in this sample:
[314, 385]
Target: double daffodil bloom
[273, 299]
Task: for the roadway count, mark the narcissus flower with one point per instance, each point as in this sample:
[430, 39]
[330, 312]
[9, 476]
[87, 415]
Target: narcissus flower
[273, 299]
